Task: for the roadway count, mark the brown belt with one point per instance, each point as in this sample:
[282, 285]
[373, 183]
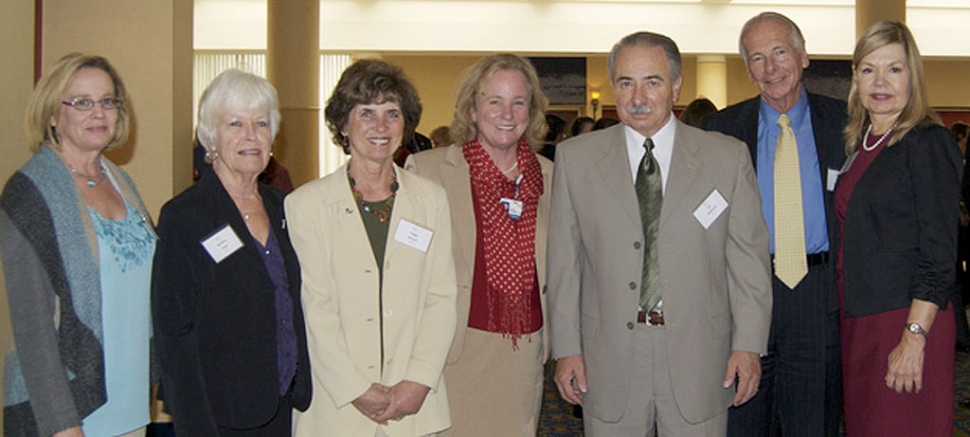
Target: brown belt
[655, 318]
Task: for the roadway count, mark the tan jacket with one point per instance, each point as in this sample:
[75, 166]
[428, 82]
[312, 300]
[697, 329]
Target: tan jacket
[716, 282]
[448, 167]
[342, 304]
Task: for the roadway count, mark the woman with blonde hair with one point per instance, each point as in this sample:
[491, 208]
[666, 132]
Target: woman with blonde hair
[897, 202]
[499, 191]
[77, 246]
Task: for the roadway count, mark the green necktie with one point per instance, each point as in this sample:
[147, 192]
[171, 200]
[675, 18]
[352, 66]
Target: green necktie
[650, 197]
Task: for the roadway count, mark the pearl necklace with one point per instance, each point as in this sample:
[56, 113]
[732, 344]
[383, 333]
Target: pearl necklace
[883, 137]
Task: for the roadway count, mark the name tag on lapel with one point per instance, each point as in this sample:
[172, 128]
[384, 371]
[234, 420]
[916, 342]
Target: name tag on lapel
[710, 209]
[222, 243]
[413, 236]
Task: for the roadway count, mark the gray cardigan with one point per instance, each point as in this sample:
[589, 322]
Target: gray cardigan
[55, 376]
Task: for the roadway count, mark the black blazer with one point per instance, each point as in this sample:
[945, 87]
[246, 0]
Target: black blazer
[215, 324]
[900, 238]
[828, 119]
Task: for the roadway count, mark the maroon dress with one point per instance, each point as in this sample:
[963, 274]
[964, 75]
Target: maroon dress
[871, 408]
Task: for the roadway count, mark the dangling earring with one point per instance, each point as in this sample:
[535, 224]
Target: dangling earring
[211, 155]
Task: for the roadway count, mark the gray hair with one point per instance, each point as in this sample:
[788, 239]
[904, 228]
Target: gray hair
[235, 89]
[648, 40]
[796, 33]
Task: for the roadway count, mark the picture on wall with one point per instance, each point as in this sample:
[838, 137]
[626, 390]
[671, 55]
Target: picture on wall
[563, 79]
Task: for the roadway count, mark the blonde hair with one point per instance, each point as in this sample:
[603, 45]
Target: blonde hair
[917, 111]
[45, 102]
[472, 82]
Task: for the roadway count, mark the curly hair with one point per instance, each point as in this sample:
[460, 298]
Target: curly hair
[371, 81]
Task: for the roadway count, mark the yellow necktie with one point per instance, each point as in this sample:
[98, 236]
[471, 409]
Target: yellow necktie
[790, 264]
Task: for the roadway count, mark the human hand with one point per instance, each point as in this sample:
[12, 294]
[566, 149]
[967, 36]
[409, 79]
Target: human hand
[905, 371]
[569, 369]
[373, 403]
[71, 432]
[406, 399]
[747, 367]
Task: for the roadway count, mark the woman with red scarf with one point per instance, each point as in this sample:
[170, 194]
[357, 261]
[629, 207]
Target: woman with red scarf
[498, 190]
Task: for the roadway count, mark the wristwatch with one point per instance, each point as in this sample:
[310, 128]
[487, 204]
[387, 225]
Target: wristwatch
[915, 328]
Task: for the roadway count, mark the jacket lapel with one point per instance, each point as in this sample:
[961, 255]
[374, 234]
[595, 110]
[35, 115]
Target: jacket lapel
[684, 165]
[613, 167]
[454, 174]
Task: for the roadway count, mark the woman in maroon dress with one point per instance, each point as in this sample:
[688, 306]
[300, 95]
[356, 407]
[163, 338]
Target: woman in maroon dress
[897, 201]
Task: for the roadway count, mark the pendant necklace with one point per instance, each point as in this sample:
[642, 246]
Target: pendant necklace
[91, 181]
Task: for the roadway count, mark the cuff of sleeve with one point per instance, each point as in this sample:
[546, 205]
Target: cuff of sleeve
[424, 374]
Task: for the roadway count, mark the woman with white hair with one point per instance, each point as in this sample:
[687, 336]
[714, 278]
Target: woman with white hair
[226, 282]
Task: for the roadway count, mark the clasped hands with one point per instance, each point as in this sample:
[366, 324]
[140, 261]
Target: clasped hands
[381, 403]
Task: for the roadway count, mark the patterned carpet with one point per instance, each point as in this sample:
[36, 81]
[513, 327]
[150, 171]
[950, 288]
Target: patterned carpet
[557, 419]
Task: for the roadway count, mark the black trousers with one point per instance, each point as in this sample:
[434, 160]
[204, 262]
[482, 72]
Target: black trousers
[800, 393]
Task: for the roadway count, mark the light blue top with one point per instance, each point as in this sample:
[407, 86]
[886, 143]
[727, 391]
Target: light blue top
[126, 249]
[813, 203]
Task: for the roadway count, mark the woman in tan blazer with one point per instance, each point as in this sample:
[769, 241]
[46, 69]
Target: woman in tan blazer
[499, 193]
[374, 244]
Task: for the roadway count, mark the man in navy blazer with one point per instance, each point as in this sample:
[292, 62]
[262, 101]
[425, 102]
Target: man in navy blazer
[801, 386]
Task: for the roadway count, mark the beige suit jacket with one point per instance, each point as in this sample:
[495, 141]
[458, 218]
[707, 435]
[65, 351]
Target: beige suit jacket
[448, 167]
[715, 282]
[349, 318]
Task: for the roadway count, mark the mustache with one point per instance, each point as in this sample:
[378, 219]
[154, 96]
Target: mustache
[639, 109]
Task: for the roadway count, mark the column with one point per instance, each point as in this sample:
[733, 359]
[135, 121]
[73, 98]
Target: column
[712, 79]
[293, 66]
[869, 12]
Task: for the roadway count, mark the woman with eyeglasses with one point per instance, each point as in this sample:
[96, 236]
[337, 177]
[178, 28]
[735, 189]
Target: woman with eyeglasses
[77, 247]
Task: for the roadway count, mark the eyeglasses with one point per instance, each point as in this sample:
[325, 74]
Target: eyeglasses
[85, 104]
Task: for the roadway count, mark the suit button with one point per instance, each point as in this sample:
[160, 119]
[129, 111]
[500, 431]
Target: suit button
[636, 245]
[633, 285]
[629, 325]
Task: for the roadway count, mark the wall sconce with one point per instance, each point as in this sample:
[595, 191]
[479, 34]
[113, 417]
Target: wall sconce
[595, 102]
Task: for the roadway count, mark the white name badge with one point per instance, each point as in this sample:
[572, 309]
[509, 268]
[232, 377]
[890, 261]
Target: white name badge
[513, 206]
[412, 235]
[833, 177]
[710, 209]
[222, 243]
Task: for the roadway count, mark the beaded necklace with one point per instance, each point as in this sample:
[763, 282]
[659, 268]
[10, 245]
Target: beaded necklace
[382, 214]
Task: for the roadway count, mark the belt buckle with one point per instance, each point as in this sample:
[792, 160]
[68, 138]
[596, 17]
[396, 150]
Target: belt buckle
[647, 318]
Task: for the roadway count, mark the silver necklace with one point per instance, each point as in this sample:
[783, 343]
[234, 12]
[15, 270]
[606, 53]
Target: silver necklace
[878, 142]
[91, 182]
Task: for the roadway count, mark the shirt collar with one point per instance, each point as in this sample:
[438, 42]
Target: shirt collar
[663, 139]
[796, 114]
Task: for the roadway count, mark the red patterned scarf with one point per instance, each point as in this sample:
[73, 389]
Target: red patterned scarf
[509, 245]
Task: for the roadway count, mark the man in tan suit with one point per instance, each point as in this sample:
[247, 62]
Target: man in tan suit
[677, 365]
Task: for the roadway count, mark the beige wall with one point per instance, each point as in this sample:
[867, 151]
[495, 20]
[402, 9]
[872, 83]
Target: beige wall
[151, 45]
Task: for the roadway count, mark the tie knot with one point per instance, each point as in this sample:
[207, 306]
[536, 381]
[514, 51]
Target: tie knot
[784, 121]
[648, 144]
